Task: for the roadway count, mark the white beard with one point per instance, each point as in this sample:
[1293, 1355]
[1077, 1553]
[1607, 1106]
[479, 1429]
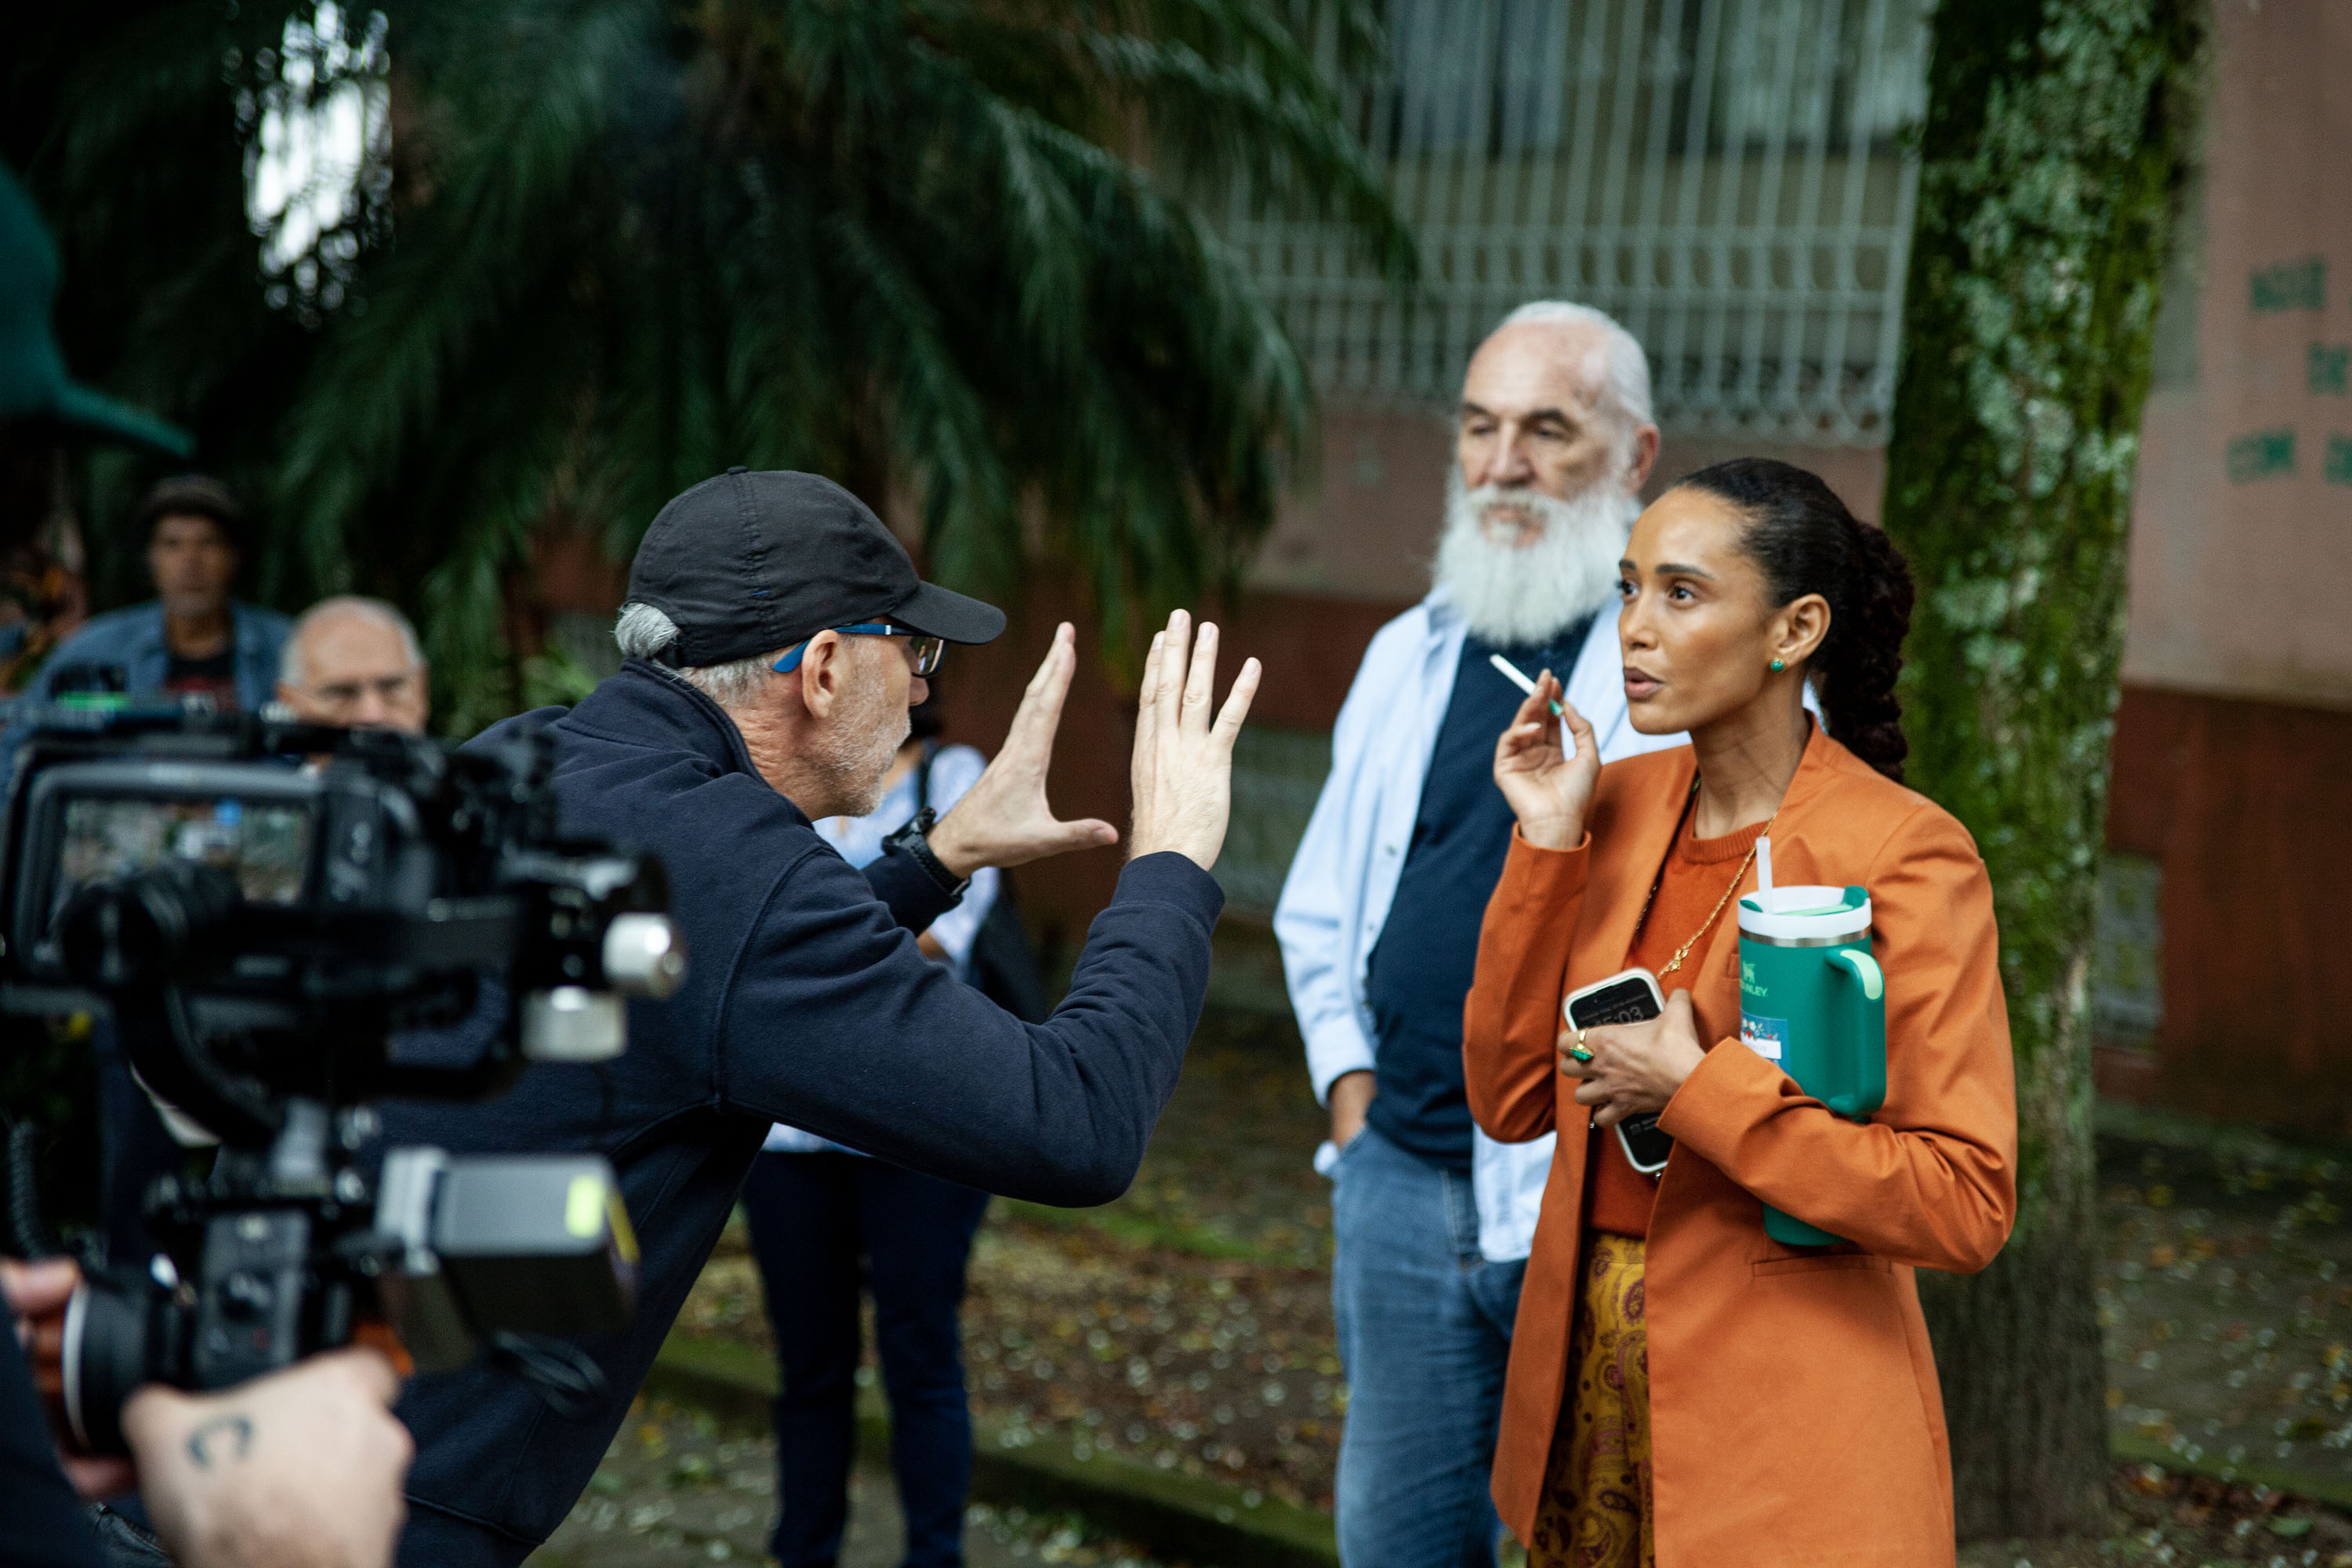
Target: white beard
[1521, 594]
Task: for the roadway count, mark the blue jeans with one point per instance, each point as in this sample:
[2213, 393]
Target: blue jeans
[1424, 1334]
[815, 1219]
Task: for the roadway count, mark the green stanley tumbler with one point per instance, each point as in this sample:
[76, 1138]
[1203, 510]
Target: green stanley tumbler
[1812, 1001]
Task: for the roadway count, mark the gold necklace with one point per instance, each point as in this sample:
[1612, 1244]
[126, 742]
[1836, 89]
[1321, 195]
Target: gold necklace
[1748, 859]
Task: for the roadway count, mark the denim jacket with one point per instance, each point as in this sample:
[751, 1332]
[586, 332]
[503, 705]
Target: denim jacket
[1336, 897]
[133, 640]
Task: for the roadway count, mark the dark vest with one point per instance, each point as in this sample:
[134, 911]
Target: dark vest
[1421, 968]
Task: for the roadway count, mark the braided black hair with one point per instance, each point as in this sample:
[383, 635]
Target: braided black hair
[1808, 543]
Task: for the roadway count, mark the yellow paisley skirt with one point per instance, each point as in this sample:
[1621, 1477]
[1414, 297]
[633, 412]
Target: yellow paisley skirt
[1595, 1510]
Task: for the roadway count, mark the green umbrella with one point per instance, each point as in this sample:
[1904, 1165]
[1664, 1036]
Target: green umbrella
[33, 379]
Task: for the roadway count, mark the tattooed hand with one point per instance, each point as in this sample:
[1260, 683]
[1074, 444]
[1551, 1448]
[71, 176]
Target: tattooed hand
[298, 1469]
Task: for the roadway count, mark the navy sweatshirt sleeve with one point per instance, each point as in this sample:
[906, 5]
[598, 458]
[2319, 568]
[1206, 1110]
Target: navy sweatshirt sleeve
[915, 900]
[836, 1023]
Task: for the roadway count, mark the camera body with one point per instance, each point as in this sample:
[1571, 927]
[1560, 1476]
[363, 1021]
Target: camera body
[274, 915]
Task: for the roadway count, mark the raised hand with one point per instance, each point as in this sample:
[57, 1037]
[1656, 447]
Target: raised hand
[1183, 765]
[1549, 791]
[1004, 819]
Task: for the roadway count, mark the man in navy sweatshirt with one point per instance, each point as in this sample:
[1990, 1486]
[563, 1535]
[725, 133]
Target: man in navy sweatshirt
[776, 635]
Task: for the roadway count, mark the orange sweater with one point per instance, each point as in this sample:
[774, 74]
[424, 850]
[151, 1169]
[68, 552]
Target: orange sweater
[1697, 871]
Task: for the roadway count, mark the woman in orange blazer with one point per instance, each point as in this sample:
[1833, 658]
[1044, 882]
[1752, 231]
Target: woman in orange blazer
[1682, 1389]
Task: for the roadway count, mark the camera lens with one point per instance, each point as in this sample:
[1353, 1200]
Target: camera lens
[138, 931]
[110, 1348]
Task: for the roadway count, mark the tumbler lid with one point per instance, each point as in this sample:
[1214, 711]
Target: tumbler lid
[1817, 913]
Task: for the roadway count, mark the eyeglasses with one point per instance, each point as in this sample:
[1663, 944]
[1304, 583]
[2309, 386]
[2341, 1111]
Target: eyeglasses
[924, 651]
[389, 689]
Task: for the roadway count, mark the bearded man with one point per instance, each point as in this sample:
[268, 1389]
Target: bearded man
[1379, 919]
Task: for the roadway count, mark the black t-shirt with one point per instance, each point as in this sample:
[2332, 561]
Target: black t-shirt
[42, 1522]
[215, 675]
[1419, 971]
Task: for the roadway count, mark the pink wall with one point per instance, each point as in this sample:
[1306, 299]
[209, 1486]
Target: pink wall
[2241, 539]
[2229, 770]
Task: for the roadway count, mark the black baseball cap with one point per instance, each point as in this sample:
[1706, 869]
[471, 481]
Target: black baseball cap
[746, 564]
[193, 495]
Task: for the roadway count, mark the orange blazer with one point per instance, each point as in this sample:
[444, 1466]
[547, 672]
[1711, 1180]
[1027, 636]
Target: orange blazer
[1795, 1416]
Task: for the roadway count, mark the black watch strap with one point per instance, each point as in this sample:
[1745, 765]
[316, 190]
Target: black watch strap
[914, 841]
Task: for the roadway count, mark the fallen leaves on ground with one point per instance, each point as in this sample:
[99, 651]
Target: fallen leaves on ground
[1189, 1324]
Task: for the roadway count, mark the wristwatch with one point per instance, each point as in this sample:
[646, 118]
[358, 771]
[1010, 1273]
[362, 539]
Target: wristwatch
[914, 840]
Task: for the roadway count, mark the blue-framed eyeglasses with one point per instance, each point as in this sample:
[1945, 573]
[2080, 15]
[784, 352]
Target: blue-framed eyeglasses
[924, 649]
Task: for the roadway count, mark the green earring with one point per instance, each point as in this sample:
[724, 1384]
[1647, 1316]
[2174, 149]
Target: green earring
[1777, 666]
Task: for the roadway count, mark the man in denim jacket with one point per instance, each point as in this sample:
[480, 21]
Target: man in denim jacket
[191, 638]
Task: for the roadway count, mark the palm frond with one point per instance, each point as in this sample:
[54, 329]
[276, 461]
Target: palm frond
[960, 251]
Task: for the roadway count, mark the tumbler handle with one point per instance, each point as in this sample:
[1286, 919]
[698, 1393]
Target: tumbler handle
[1865, 1036]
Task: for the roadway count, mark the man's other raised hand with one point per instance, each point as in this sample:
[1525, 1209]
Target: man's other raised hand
[1184, 765]
[1004, 819]
[1183, 769]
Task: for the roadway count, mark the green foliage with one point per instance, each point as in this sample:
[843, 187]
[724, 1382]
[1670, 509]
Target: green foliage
[952, 251]
[129, 124]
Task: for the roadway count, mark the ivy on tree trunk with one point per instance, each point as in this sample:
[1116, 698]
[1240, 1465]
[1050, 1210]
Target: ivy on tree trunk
[2056, 139]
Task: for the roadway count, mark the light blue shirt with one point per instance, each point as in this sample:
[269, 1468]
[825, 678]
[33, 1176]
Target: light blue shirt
[858, 840]
[1344, 877]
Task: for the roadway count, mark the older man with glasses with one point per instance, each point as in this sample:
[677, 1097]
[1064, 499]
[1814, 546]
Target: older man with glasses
[355, 662]
[776, 635]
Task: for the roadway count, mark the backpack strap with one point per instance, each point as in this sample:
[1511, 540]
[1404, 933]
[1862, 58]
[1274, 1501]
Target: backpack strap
[923, 776]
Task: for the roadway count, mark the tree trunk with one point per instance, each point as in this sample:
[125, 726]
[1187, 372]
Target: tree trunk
[2055, 145]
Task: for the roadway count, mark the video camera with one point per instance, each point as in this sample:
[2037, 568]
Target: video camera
[265, 909]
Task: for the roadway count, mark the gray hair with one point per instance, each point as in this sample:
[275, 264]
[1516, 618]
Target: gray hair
[644, 632]
[289, 655]
[1625, 368]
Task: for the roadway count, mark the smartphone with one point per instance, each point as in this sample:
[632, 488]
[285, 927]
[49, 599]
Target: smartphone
[1628, 998]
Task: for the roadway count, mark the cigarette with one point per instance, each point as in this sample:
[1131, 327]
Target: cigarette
[1518, 677]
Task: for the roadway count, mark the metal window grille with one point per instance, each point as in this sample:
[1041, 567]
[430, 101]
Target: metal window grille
[2127, 951]
[1729, 178]
[1277, 773]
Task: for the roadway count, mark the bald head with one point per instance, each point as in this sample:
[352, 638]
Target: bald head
[354, 662]
[1557, 399]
